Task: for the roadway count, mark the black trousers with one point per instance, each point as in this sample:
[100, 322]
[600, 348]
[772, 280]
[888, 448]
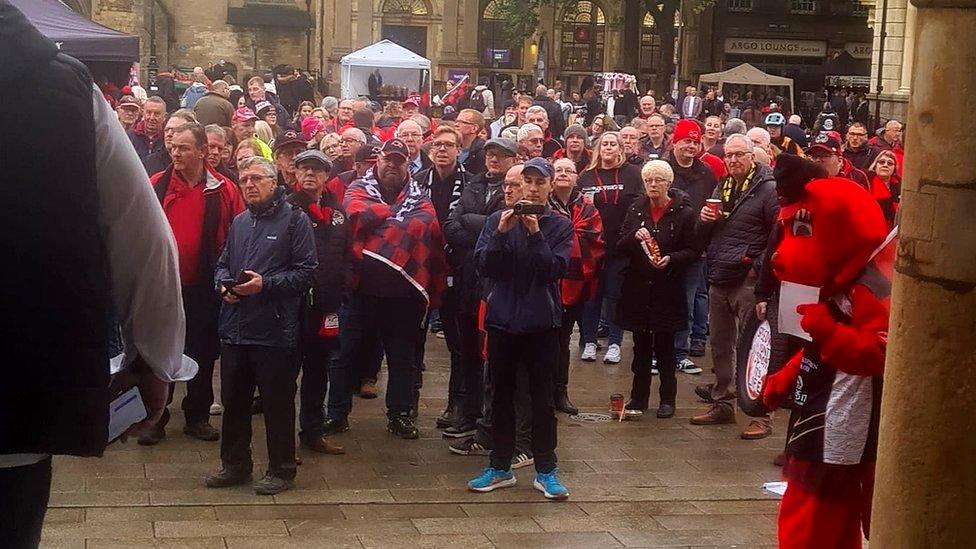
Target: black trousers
[273, 371]
[317, 356]
[471, 366]
[450, 312]
[523, 413]
[201, 307]
[648, 345]
[536, 353]
[24, 493]
[572, 315]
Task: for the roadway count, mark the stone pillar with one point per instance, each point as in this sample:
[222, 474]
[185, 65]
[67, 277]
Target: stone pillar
[925, 490]
[908, 50]
[364, 23]
[342, 15]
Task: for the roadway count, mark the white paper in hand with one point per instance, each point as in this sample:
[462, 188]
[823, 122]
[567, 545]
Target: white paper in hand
[790, 296]
[124, 412]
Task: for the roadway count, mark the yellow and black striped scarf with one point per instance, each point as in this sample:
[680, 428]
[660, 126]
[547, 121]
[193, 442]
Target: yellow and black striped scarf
[731, 192]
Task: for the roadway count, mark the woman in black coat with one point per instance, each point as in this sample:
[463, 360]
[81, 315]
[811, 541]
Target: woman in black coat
[657, 238]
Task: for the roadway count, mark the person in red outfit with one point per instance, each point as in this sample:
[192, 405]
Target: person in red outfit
[834, 237]
[199, 204]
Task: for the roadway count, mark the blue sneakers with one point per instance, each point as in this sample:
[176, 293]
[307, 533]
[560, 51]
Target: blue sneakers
[491, 479]
[549, 485]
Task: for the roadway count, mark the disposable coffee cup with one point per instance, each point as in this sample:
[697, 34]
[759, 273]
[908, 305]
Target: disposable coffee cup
[715, 205]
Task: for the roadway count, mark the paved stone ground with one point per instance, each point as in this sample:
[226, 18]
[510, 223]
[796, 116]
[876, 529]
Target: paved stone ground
[647, 483]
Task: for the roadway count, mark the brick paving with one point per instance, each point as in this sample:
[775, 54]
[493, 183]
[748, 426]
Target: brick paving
[647, 483]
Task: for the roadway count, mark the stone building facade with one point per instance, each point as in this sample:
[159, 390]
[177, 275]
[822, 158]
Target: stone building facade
[460, 36]
[899, 51]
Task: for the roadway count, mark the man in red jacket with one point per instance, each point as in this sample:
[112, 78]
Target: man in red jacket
[199, 204]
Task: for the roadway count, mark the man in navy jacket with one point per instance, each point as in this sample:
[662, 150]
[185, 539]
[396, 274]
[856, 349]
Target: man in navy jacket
[523, 256]
[266, 268]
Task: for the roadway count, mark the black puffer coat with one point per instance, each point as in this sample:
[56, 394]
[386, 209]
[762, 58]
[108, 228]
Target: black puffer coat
[654, 299]
[737, 243]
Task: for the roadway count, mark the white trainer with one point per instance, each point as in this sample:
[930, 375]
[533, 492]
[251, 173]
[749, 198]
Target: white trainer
[589, 352]
[613, 354]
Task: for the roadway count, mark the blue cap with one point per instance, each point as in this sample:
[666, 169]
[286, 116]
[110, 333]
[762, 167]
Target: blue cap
[541, 165]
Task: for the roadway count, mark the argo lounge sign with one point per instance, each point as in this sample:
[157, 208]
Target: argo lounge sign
[774, 46]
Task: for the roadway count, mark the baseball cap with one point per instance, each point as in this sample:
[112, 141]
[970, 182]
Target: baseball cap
[289, 138]
[826, 141]
[129, 101]
[541, 165]
[366, 153]
[412, 100]
[506, 145]
[244, 114]
[311, 126]
[313, 155]
[395, 146]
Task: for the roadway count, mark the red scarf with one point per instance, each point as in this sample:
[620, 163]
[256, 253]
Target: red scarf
[579, 282]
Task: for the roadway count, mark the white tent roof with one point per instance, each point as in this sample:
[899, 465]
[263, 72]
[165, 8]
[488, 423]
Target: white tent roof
[386, 54]
[746, 74]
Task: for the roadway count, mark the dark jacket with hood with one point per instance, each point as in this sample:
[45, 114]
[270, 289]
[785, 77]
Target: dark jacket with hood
[524, 272]
[482, 196]
[274, 240]
[55, 291]
[557, 124]
[737, 241]
[654, 299]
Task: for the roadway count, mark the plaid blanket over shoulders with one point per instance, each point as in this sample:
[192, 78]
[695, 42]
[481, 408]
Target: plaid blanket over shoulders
[404, 235]
[580, 282]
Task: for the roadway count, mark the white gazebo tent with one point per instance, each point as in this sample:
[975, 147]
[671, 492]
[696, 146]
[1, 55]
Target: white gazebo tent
[397, 65]
[749, 75]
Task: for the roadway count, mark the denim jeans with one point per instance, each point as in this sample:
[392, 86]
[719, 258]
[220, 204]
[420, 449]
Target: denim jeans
[696, 292]
[604, 304]
[394, 324]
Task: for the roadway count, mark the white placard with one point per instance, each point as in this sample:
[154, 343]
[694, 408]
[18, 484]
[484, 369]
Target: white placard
[790, 296]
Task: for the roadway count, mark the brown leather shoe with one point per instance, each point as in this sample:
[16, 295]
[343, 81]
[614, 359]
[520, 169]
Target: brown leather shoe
[367, 390]
[202, 430]
[757, 430]
[717, 414]
[323, 446]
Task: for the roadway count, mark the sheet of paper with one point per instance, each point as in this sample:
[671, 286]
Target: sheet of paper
[778, 488]
[125, 411]
[791, 295]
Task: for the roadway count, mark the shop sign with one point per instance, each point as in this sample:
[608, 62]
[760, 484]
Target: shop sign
[775, 46]
[859, 50]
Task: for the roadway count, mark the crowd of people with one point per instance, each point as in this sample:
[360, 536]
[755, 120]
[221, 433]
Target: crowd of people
[346, 233]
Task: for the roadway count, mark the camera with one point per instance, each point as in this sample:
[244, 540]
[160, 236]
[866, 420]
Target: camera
[523, 208]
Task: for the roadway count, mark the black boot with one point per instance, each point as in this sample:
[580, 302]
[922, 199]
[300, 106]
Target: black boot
[563, 404]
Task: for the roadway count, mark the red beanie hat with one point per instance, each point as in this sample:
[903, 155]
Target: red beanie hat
[686, 129]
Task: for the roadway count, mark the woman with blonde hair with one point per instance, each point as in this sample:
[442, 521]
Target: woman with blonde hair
[331, 146]
[264, 132]
[657, 239]
[885, 184]
[613, 184]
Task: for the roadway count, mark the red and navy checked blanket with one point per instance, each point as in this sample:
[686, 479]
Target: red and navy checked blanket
[579, 284]
[404, 235]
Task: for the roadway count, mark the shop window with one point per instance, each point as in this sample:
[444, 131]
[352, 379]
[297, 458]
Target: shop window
[803, 7]
[739, 5]
[584, 31]
[495, 50]
[650, 55]
[405, 7]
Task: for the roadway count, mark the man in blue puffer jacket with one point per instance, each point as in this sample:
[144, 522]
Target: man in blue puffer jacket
[523, 256]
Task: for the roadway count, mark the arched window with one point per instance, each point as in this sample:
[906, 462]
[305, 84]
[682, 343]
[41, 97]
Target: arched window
[584, 34]
[495, 50]
[650, 53]
[405, 7]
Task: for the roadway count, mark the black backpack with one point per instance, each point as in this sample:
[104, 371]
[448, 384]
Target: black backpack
[477, 101]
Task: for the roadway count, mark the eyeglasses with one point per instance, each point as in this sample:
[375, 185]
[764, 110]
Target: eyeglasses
[252, 179]
[885, 163]
[442, 145]
[657, 180]
[739, 154]
[566, 170]
[350, 140]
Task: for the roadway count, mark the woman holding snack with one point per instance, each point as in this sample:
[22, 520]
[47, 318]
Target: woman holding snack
[657, 237]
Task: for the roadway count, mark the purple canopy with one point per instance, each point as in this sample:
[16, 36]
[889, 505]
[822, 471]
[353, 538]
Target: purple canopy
[77, 36]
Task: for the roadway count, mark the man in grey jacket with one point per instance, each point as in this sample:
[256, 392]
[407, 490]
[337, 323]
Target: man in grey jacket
[264, 271]
[737, 236]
